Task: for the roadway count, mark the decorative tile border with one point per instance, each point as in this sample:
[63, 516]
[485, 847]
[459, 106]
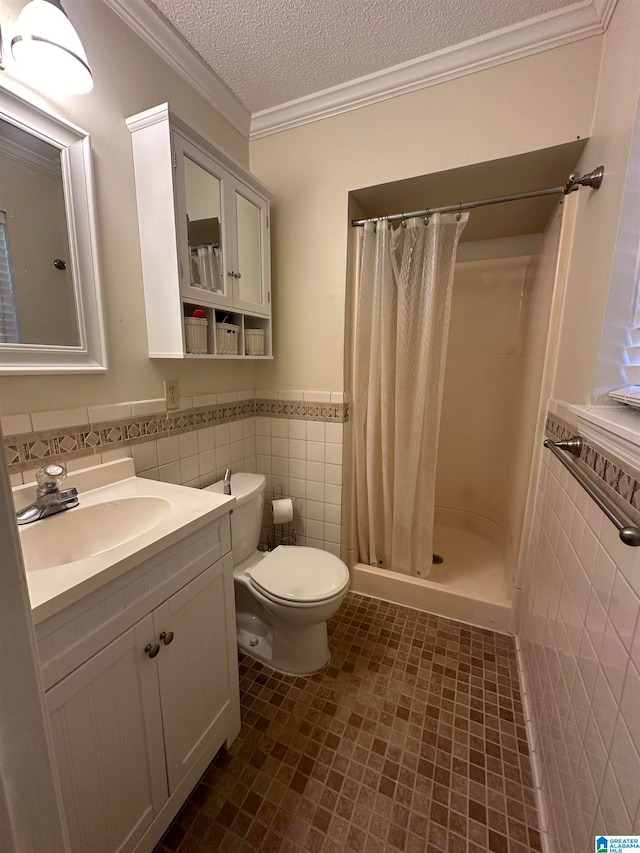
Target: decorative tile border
[611, 472]
[27, 450]
[308, 411]
[557, 429]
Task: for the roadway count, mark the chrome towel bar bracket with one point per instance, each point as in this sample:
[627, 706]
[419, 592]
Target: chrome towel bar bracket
[565, 451]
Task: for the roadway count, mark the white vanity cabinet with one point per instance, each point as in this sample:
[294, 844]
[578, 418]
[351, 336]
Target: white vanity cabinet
[108, 742]
[142, 690]
[204, 235]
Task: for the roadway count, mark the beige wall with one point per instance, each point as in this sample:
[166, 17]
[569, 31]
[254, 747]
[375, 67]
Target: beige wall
[128, 77]
[524, 105]
[37, 233]
[599, 213]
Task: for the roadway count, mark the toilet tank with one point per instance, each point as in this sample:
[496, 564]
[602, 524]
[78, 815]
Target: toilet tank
[246, 519]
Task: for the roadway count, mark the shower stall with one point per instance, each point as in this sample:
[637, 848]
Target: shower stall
[506, 299]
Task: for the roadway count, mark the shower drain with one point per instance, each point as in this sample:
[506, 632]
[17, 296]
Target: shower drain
[437, 559]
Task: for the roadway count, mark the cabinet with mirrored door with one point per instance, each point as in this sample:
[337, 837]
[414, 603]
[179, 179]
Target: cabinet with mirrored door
[204, 236]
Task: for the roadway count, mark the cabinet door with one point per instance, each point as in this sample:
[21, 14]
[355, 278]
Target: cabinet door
[251, 251]
[198, 670]
[107, 737]
[201, 226]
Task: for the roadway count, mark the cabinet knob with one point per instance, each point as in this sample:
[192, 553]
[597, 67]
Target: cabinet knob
[238, 275]
[231, 274]
[152, 650]
[167, 637]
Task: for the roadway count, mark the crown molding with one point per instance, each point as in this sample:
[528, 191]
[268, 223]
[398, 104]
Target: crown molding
[604, 10]
[23, 154]
[145, 20]
[581, 20]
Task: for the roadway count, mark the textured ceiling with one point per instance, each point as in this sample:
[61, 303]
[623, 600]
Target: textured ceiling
[270, 53]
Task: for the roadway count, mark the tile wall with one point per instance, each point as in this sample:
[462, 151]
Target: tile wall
[305, 460]
[579, 649]
[189, 446]
[295, 438]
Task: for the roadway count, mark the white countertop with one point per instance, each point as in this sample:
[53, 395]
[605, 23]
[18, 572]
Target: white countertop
[53, 588]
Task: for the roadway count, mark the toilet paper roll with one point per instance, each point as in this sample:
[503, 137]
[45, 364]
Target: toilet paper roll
[282, 510]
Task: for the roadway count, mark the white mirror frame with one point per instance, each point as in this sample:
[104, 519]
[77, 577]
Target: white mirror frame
[90, 356]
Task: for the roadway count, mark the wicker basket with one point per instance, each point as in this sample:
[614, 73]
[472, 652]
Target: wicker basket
[195, 335]
[227, 338]
[254, 341]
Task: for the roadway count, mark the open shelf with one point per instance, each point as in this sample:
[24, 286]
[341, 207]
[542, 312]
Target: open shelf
[220, 324]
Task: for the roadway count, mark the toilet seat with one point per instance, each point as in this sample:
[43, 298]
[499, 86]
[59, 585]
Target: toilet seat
[299, 576]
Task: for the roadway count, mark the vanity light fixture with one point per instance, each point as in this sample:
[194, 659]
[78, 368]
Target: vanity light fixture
[48, 50]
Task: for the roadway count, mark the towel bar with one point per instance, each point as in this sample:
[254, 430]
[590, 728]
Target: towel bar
[629, 533]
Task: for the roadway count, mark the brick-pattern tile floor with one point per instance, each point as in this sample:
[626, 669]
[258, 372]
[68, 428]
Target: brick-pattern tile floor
[412, 739]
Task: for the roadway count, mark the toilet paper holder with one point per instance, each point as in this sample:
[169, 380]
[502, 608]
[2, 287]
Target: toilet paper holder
[269, 501]
[278, 535]
[277, 496]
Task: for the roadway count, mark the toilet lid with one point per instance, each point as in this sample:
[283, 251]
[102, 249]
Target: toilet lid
[300, 574]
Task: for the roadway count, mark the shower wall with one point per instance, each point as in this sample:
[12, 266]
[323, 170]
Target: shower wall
[502, 305]
[484, 378]
[544, 295]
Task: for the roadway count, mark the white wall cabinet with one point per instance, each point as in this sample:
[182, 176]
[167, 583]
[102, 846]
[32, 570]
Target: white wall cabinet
[136, 724]
[204, 235]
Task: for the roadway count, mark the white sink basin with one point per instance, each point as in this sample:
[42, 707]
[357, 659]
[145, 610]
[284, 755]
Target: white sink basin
[122, 521]
[89, 530]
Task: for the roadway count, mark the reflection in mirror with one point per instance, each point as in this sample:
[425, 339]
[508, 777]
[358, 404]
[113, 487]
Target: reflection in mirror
[249, 250]
[36, 286]
[51, 317]
[203, 228]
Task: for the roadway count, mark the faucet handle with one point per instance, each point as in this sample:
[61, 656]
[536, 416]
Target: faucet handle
[50, 477]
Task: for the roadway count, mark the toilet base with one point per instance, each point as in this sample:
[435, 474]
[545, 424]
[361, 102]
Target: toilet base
[293, 651]
[254, 637]
[256, 652]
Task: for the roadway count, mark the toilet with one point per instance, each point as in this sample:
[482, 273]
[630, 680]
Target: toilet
[285, 597]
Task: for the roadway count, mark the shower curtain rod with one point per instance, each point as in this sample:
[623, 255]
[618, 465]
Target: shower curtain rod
[574, 182]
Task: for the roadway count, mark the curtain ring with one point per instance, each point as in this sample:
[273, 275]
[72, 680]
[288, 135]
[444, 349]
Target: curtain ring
[459, 213]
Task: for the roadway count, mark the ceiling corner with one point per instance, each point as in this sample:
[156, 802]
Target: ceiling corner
[145, 20]
[604, 10]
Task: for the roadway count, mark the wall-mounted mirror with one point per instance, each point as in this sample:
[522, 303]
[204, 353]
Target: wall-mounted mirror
[50, 301]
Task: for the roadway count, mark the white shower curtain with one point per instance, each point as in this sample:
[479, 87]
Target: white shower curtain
[401, 328]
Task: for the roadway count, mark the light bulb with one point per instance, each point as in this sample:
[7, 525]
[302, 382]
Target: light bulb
[49, 51]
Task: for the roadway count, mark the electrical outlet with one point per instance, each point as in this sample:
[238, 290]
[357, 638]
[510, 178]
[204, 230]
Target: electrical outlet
[171, 393]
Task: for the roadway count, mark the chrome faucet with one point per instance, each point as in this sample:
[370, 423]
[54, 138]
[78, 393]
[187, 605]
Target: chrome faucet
[226, 483]
[50, 499]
